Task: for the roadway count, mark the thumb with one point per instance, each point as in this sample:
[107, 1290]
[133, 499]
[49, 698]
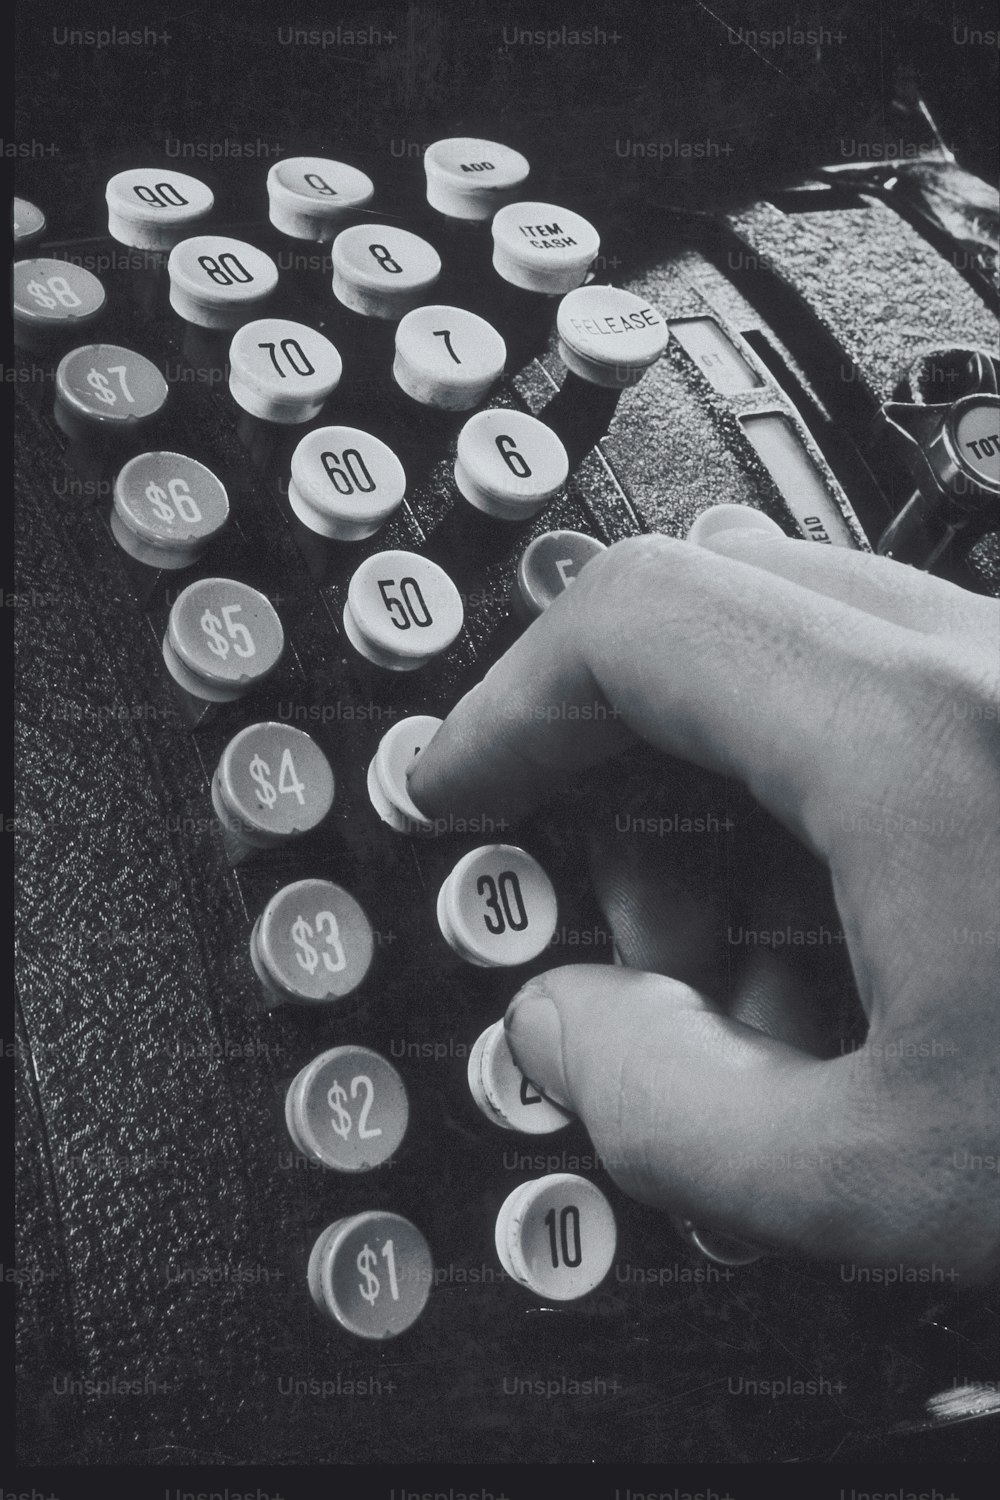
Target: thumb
[697, 1113]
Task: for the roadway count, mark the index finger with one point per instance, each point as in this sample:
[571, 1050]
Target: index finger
[711, 659]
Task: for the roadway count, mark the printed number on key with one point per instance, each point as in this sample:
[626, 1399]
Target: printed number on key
[341, 1119]
[323, 926]
[515, 461]
[294, 354]
[568, 1251]
[101, 386]
[501, 894]
[370, 1286]
[348, 472]
[289, 782]
[240, 637]
[181, 505]
[52, 291]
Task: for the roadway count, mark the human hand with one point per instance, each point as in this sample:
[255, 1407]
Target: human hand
[856, 699]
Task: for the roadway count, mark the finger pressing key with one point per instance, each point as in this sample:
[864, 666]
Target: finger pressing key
[387, 774]
[504, 1094]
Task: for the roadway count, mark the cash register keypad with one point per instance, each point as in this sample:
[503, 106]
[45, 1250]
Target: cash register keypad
[330, 415]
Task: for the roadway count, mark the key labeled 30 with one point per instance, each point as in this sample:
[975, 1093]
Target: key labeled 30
[497, 907]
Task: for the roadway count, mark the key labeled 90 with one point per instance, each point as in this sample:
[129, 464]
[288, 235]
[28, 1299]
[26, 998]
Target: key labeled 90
[151, 208]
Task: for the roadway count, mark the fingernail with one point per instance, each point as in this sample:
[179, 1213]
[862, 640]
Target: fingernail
[534, 1031]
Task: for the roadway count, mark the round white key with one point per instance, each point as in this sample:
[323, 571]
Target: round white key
[609, 336]
[372, 1273]
[151, 208]
[543, 248]
[447, 357]
[382, 271]
[557, 1236]
[509, 464]
[722, 1249]
[401, 610]
[308, 196]
[718, 518]
[216, 282]
[223, 638]
[497, 907]
[167, 508]
[282, 371]
[389, 769]
[503, 1093]
[348, 1109]
[29, 222]
[972, 428]
[54, 297]
[469, 178]
[345, 483]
